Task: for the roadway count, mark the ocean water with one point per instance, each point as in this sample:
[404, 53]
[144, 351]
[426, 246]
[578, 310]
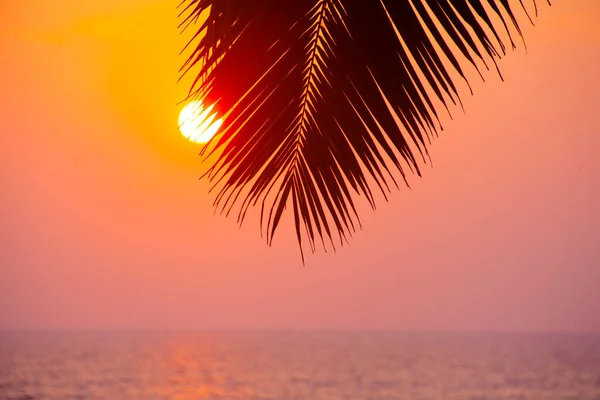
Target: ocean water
[297, 366]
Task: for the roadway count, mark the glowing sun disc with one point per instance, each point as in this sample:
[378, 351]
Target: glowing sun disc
[197, 123]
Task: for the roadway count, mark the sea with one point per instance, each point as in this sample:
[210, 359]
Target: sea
[297, 366]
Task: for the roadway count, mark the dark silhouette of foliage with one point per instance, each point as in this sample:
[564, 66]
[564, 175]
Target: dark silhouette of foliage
[324, 99]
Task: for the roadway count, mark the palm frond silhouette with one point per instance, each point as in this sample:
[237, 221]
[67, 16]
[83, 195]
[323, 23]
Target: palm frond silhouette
[327, 100]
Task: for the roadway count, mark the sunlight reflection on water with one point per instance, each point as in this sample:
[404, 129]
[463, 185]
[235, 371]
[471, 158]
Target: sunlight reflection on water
[295, 366]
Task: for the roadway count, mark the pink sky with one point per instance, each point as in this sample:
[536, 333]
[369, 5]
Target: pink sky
[105, 225]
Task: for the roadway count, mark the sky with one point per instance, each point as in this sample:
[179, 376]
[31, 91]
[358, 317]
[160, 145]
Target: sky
[105, 225]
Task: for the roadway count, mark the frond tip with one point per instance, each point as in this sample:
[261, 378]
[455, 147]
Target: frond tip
[326, 98]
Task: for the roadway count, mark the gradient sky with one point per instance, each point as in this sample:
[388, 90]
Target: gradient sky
[104, 223]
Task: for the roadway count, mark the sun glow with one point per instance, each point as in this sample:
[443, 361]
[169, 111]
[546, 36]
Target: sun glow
[197, 123]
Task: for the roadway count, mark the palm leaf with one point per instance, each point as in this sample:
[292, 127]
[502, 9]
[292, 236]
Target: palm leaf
[326, 99]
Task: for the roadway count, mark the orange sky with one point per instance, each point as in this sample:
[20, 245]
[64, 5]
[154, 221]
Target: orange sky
[105, 225]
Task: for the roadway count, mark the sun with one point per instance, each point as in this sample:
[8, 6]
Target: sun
[197, 123]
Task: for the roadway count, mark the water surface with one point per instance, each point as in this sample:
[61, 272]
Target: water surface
[297, 366]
